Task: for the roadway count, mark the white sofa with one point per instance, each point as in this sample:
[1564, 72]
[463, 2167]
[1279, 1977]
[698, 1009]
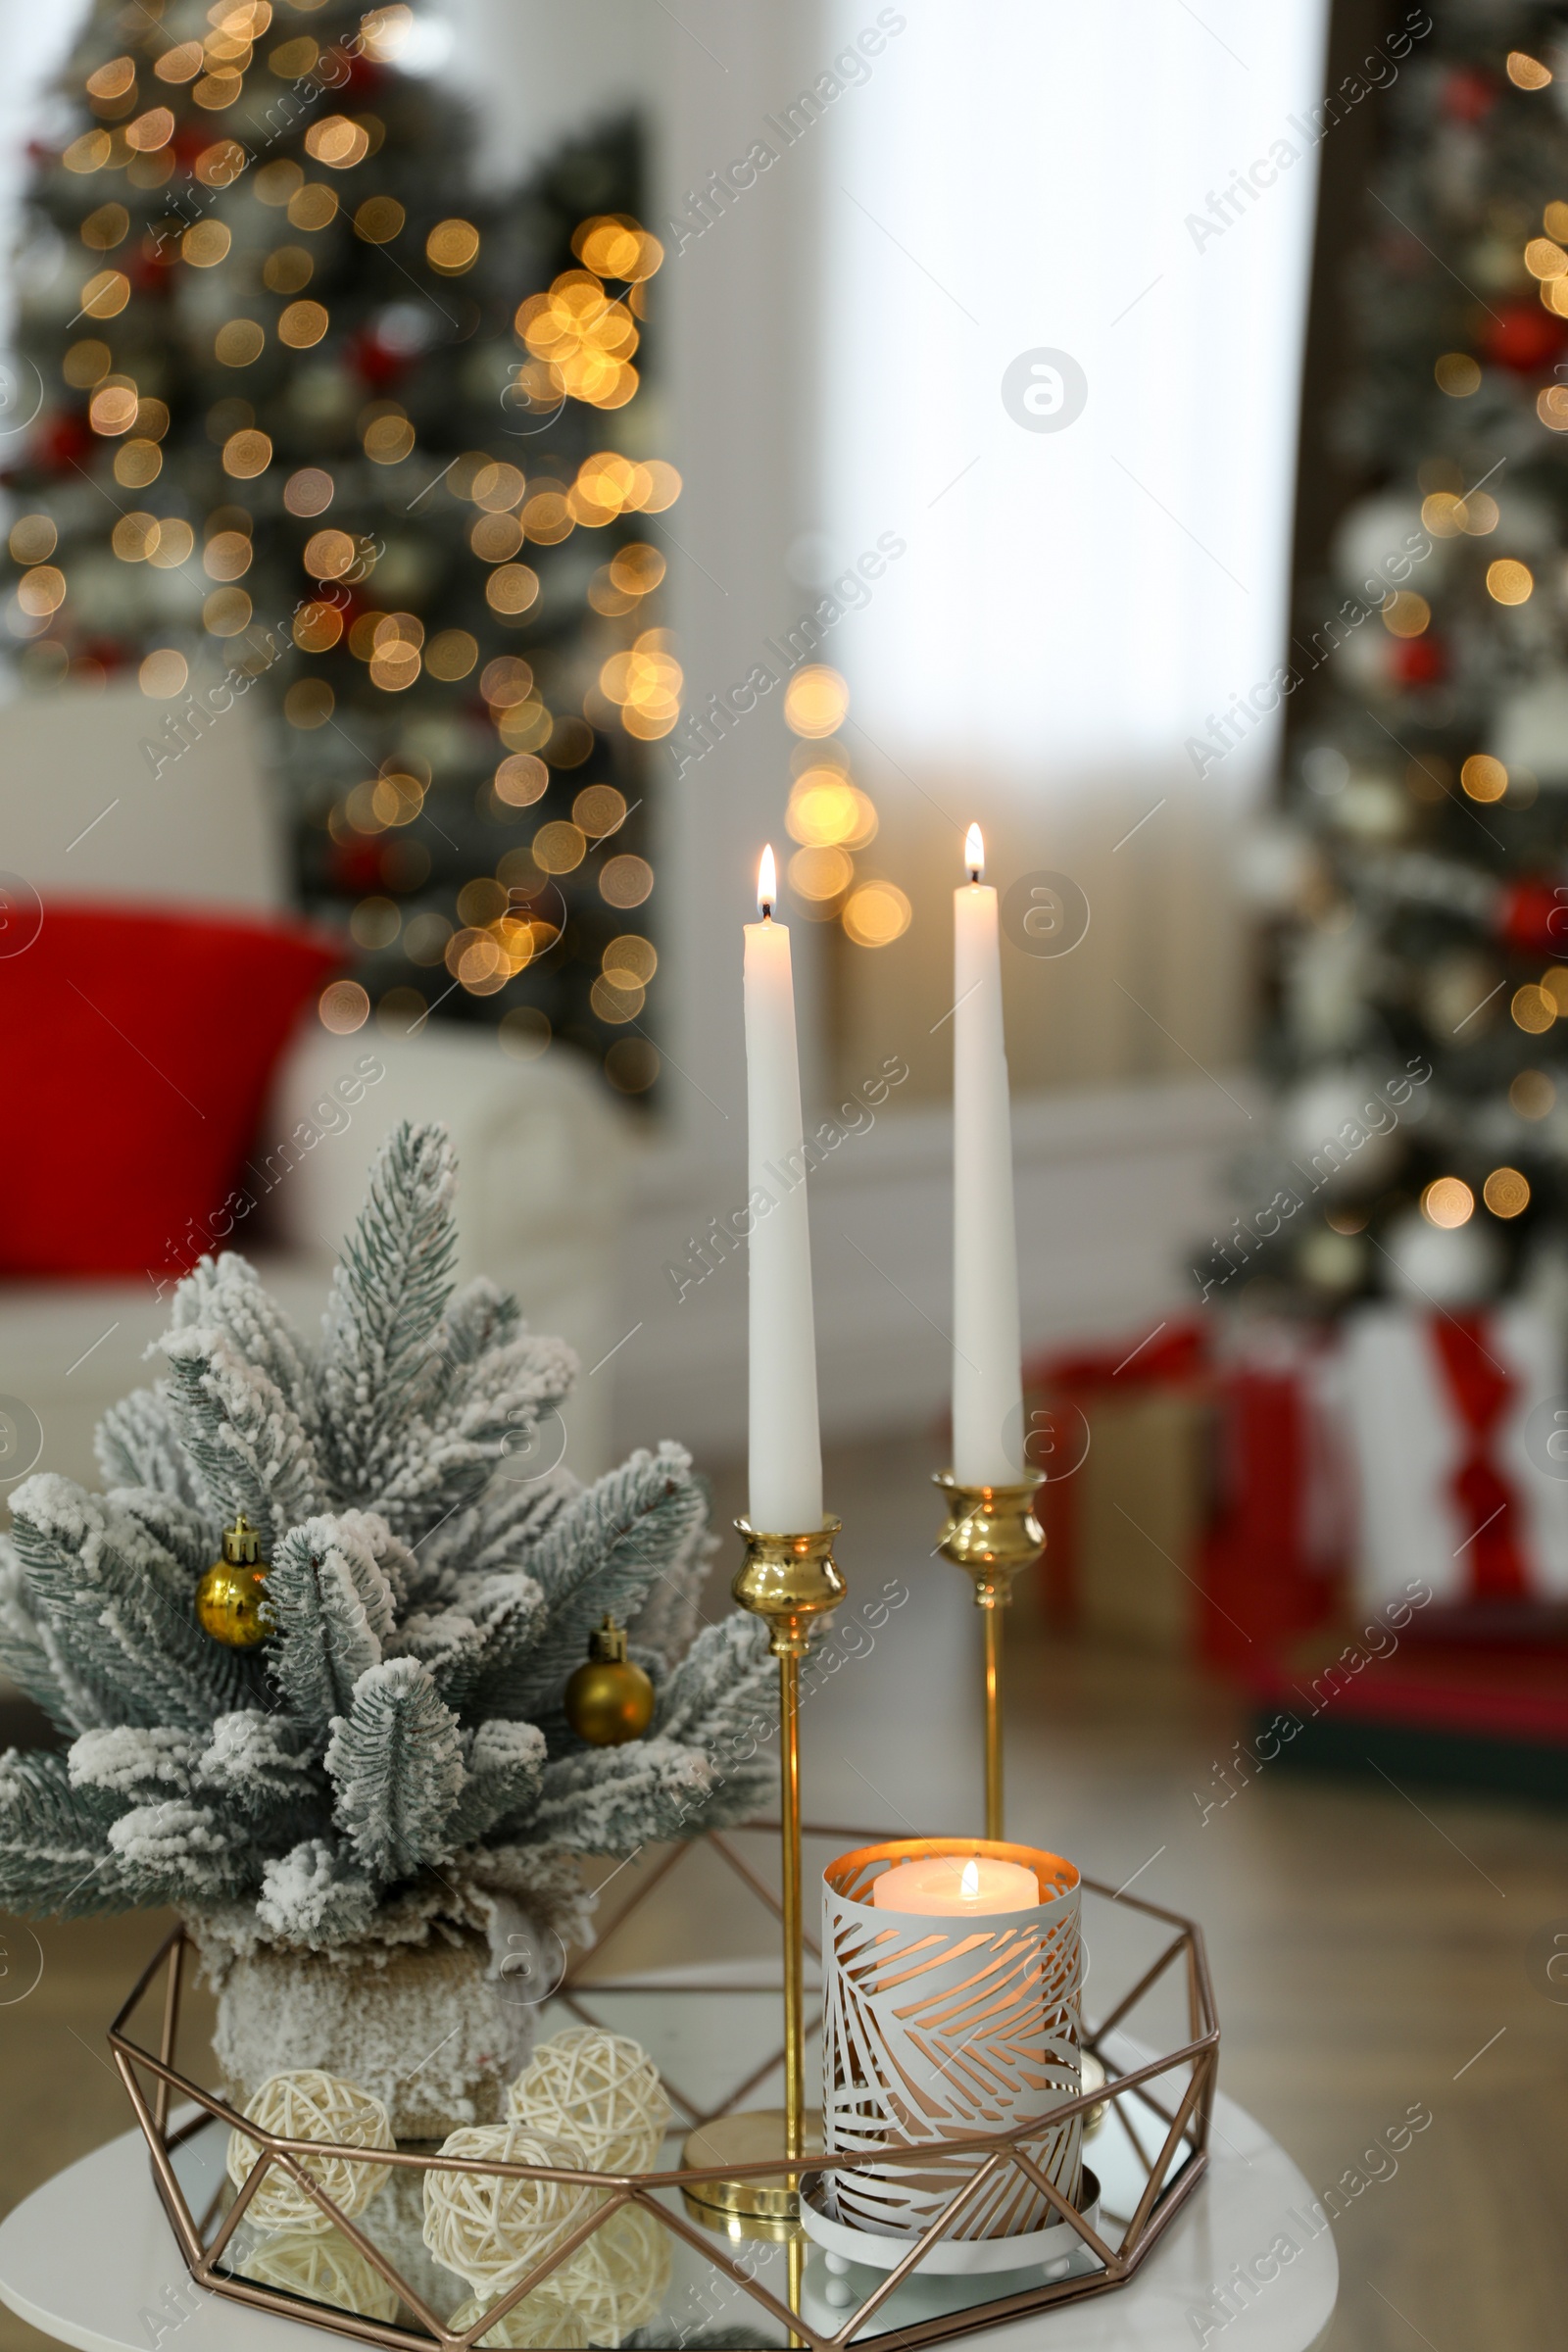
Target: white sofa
[542, 1151]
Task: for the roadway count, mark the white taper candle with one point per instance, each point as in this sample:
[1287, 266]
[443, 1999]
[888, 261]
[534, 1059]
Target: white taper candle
[987, 1376]
[786, 1445]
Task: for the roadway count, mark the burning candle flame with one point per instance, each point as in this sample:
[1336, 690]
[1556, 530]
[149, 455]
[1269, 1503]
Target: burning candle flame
[766, 884]
[969, 1883]
[974, 853]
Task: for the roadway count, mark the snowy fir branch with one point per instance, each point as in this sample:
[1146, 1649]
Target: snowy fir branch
[395, 1754]
[138, 1446]
[396, 1763]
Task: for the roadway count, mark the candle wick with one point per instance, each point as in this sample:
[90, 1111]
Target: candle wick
[974, 873]
[768, 911]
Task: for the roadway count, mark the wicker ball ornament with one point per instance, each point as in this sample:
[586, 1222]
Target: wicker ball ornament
[491, 2230]
[306, 2105]
[610, 1699]
[599, 2090]
[539, 2320]
[618, 2278]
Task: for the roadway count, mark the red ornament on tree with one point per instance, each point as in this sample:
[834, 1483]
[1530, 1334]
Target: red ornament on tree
[1468, 96]
[357, 864]
[1522, 336]
[60, 440]
[1533, 917]
[1419, 661]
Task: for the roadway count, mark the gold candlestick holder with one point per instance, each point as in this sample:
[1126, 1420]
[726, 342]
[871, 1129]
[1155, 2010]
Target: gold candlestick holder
[991, 1532]
[788, 1581]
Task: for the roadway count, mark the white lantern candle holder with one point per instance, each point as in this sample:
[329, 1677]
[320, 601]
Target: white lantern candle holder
[942, 2026]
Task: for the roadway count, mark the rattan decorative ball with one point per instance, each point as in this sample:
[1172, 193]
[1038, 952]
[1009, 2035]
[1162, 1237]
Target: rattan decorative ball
[618, 2278]
[306, 2105]
[600, 2091]
[324, 2266]
[539, 2320]
[491, 2228]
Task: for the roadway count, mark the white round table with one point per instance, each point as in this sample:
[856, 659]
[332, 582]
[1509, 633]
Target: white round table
[89, 2259]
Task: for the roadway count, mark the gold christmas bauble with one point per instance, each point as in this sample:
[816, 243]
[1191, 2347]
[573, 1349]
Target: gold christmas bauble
[610, 1699]
[231, 1604]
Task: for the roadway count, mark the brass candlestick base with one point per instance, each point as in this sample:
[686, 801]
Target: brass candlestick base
[991, 1532]
[766, 2208]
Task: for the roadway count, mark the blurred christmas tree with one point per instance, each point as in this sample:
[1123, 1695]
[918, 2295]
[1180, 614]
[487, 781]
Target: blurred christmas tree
[318, 418]
[1421, 879]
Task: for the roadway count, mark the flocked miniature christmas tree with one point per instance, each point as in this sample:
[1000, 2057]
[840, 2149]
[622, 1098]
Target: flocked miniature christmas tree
[392, 1763]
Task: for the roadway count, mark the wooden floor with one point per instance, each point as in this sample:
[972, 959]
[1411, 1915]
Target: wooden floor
[1370, 1944]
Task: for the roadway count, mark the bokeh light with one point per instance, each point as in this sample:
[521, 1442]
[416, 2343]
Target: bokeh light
[513, 588]
[1483, 777]
[338, 142]
[206, 243]
[1532, 1009]
[600, 809]
[1507, 1193]
[344, 1006]
[1533, 1094]
[629, 961]
[522, 779]
[523, 1033]
[239, 342]
[1458, 375]
[163, 674]
[105, 294]
[451, 655]
[817, 700]
[626, 880]
[309, 702]
[313, 206]
[33, 538]
[452, 247]
[559, 846]
[303, 324]
[1510, 581]
[1447, 1202]
[1404, 613]
[632, 1064]
[308, 492]
[587, 338]
[818, 874]
[378, 219]
[877, 914]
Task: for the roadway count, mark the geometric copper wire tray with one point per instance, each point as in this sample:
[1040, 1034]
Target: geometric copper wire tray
[1171, 2166]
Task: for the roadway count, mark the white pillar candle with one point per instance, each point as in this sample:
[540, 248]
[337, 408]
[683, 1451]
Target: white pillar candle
[987, 1375]
[786, 1445]
[953, 1887]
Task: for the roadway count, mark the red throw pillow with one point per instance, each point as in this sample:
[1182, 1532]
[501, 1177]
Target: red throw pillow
[138, 1047]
